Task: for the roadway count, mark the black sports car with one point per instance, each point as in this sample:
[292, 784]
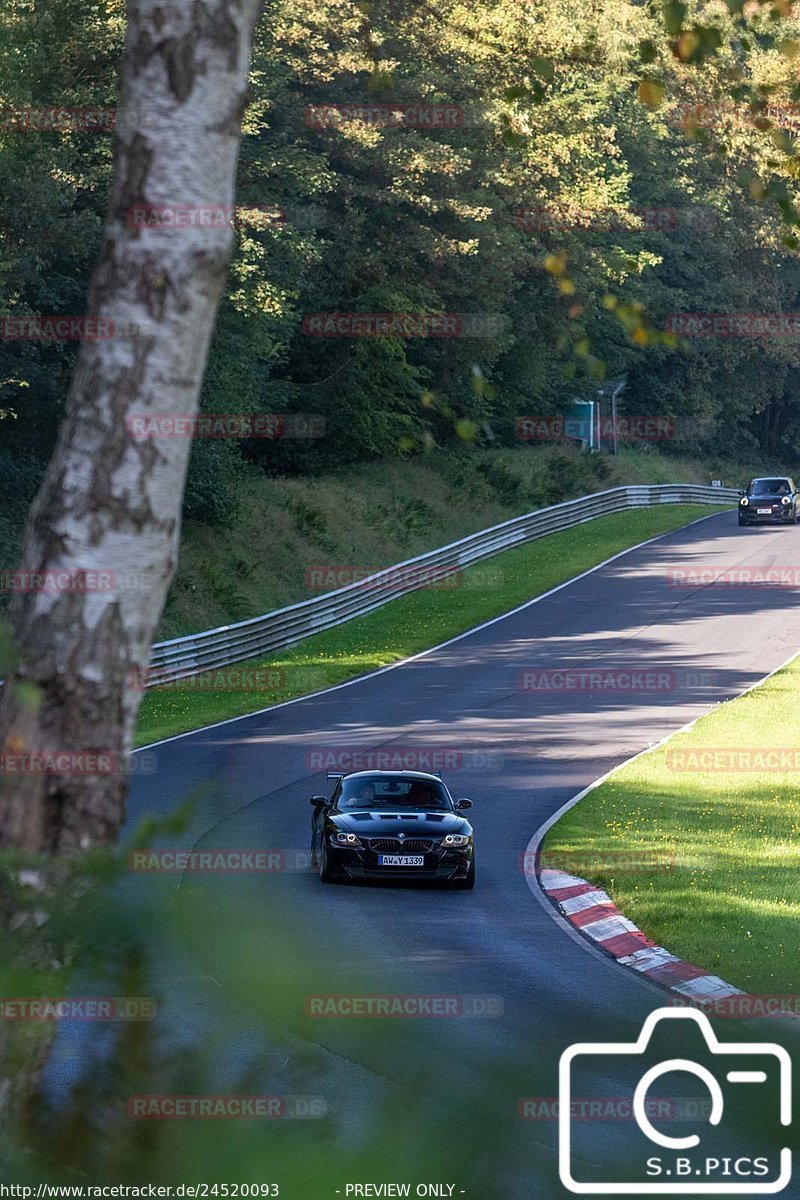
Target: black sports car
[392, 825]
[770, 501]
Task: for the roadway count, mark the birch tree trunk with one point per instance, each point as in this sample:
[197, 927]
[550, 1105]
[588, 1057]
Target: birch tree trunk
[110, 503]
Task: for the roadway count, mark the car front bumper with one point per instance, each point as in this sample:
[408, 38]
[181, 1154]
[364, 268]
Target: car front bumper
[780, 515]
[441, 865]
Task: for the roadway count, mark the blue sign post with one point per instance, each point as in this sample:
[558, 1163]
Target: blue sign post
[581, 423]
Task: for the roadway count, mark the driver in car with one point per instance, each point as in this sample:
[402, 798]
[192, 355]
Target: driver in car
[364, 795]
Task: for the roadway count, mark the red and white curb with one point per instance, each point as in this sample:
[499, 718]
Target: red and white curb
[595, 915]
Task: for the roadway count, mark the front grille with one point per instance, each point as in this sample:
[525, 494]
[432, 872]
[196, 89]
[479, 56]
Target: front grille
[395, 846]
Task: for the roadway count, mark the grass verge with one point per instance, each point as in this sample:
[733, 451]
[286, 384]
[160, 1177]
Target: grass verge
[706, 861]
[371, 515]
[408, 625]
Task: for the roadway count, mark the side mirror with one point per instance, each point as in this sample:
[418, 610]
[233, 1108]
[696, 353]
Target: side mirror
[318, 801]
[463, 803]
[742, 492]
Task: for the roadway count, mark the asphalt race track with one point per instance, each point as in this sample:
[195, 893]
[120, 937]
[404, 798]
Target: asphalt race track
[532, 750]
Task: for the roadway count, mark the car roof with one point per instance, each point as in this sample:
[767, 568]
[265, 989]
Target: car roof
[394, 775]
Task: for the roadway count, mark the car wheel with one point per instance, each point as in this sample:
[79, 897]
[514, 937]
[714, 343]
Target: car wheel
[468, 882]
[742, 520]
[325, 873]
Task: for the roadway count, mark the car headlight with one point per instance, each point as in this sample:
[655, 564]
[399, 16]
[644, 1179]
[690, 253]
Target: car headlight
[744, 501]
[455, 840]
[340, 838]
[786, 499]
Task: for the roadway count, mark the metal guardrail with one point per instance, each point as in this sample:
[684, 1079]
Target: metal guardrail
[186, 656]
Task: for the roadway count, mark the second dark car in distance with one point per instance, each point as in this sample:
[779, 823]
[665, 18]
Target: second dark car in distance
[769, 500]
[392, 825]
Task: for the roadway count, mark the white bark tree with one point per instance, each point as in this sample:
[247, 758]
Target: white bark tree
[110, 503]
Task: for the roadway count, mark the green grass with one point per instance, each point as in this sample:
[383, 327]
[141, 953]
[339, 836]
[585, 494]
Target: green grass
[410, 624]
[371, 515]
[731, 901]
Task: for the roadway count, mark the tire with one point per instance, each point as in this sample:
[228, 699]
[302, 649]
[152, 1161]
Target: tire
[466, 884]
[741, 521]
[325, 873]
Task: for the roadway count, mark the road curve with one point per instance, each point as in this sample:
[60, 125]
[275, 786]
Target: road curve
[251, 782]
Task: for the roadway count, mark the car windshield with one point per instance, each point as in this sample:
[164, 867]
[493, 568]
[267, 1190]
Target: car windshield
[769, 487]
[383, 792]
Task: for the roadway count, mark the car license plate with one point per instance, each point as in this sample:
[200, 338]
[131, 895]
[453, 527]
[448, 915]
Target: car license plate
[401, 860]
[764, 512]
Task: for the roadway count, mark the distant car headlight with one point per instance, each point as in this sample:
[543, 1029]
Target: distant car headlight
[341, 838]
[744, 502]
[786, 499]
[455, 840]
